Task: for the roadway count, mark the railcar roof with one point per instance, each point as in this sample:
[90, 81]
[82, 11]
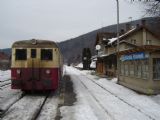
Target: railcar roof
[35, 43]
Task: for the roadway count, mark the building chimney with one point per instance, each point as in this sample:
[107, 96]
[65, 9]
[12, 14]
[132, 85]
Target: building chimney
[143, 22]
[122, 32]
[127, 27]
[137, 25]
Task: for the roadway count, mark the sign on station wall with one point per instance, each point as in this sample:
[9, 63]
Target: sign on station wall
[134, 56]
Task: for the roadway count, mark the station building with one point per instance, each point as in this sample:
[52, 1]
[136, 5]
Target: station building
[102, 54]
[138, 59]
[140, 69]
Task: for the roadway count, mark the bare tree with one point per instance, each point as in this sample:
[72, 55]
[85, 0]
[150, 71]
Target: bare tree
[152, 7]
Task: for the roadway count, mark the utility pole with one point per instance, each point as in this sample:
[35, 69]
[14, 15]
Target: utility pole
[117, 40]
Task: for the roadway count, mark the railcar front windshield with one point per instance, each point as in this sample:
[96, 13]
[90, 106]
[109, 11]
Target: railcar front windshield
[21, 54]
[46, 54]
[33, 53]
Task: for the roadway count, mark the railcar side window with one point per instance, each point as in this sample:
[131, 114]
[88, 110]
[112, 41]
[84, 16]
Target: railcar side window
[33, 53]
[46, 54]
[21, 54]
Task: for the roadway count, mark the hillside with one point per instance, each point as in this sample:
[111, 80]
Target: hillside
[3, 56]
[6, 51]
[72, 49]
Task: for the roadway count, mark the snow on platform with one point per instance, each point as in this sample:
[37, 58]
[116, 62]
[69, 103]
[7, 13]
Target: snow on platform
[102, 99]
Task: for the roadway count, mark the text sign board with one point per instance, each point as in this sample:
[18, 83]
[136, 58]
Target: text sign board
[134, 56]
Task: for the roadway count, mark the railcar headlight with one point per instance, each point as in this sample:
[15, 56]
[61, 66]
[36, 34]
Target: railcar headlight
[18, 71]
[48, 71]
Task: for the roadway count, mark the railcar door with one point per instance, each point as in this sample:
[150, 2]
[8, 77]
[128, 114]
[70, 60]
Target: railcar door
[35, 67]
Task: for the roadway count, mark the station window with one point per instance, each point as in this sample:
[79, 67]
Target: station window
[121, 68]
[156, 68]
[46, 54]
[137, 69]
[145, 69]
[133, 41]
[33, 53]
[126, 68]
[21, 54]
[131, 68]
[148, 42]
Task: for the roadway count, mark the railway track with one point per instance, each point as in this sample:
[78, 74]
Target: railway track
[5, 83]
[148, 116]
[8, 106]
[1, 81]
[28, 107]
[5, 86]
[97, 101]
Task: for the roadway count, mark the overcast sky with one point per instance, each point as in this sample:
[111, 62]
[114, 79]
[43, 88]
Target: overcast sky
[59, 20]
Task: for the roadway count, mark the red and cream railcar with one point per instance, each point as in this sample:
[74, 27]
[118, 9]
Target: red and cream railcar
[36, 65]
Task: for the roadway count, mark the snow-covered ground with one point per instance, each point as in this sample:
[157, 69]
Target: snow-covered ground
[5, 75]
[7, 95]
[97, 99]
[24, 109]
[92, 65]
[80, 65]
[49, 111]
[102, 99]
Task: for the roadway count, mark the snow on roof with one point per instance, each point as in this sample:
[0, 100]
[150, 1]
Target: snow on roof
[114, 39]
[103, 55]
[95, 59]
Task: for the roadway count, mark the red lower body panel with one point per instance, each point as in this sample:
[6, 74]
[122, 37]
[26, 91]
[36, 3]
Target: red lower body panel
[35, 78]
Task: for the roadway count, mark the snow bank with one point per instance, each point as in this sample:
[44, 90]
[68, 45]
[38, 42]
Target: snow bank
[4, 75]
[93, 64]
[80, 65]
